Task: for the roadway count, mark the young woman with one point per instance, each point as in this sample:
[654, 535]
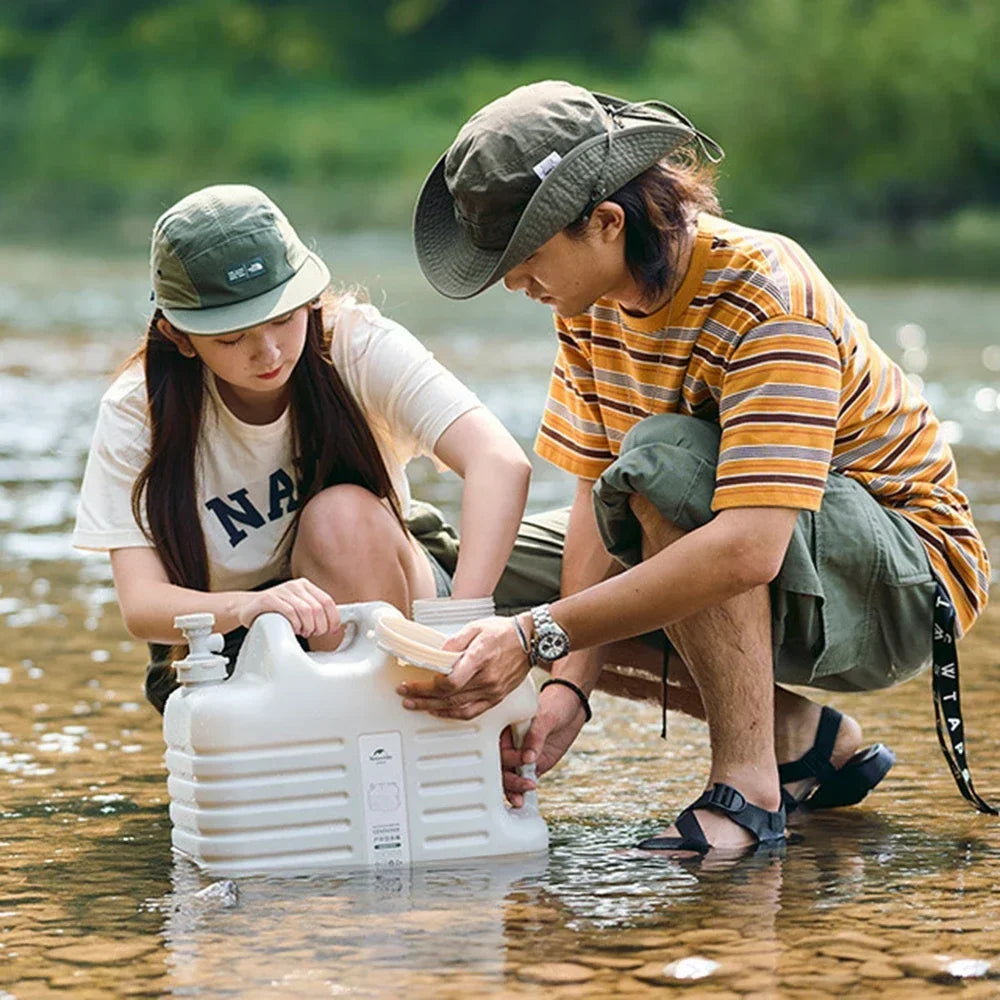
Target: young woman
[250, 456]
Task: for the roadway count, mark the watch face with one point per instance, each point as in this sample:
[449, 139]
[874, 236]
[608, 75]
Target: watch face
[552, 644]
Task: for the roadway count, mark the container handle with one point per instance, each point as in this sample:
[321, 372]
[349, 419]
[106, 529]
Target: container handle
[350, 618]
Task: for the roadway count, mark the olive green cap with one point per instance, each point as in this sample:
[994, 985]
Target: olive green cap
[225, 258]
[526, 166]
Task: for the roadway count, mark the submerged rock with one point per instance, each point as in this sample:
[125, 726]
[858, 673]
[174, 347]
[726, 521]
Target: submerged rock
[946, 968]
[223, 893]
[555, 973]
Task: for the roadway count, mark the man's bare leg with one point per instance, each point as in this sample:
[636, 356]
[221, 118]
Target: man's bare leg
[752, 722]
[633, 670]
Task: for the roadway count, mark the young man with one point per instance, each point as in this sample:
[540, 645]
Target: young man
[755, 476]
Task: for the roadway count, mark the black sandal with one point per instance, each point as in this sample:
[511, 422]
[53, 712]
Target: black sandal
[835, 787]
[767, 827]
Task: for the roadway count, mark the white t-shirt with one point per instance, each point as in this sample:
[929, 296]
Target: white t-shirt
[246, 487]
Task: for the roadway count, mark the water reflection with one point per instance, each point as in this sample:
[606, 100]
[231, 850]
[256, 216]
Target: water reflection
[356, 932]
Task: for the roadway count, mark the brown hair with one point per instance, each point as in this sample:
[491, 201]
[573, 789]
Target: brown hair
[658, 205]
[331, 442]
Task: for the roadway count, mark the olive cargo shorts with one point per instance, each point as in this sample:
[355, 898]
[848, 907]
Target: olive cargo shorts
[853, 604]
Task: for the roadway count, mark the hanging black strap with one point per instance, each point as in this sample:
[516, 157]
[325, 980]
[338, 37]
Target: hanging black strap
[947, 706]
[666, 664]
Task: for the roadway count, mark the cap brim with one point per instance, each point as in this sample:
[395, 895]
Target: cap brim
[311, 279]
[459, 269]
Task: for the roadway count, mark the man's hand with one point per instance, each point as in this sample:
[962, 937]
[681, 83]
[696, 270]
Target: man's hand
[491, 666]
[556, 725]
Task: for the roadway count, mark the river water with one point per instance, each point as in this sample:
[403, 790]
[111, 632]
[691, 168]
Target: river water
[894, 898]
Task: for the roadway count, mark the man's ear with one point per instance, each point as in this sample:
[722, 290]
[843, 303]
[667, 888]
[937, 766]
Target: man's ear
[180, 340]
[608, 220]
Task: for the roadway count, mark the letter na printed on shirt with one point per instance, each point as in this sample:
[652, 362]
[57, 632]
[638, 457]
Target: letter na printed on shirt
[244, 514]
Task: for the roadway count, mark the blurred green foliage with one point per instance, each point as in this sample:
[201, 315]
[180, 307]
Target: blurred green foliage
[840, 117]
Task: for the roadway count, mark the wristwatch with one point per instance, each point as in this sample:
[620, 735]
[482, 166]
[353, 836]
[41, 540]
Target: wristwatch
[549, 641]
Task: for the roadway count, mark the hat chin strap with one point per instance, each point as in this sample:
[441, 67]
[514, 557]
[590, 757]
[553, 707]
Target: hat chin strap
[712, 151]
[600, 189]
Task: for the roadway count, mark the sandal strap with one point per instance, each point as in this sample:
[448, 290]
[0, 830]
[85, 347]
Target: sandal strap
[815, 762]
[762, 823]
[690, 830]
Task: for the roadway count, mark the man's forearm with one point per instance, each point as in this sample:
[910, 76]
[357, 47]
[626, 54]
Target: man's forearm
[735, 551]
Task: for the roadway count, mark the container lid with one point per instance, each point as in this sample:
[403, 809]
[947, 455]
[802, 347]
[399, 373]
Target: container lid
[418, 645]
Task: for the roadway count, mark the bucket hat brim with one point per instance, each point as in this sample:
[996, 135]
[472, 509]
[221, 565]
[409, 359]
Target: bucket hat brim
[308, 282]
[459, 269]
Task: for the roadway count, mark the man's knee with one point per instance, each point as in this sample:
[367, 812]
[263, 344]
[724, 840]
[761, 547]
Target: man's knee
[657, 531]
[675, 430]
[670, 461]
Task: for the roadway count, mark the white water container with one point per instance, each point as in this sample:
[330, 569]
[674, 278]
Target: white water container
[306, 761]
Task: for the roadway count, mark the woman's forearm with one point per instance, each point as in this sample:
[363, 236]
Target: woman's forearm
[149, 602]
[151, 615]
[493, 498]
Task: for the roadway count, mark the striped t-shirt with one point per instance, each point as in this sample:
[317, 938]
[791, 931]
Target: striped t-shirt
[757, 340]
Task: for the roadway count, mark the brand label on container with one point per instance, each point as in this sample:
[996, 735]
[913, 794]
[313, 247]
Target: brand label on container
[386, 833]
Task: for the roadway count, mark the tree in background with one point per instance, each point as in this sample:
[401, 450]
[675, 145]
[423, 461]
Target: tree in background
[838, 116]
[845, 110]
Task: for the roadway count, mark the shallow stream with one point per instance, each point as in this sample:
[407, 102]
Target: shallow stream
[897, 897]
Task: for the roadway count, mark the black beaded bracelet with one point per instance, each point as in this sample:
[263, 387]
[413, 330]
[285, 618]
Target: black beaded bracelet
[584, 700]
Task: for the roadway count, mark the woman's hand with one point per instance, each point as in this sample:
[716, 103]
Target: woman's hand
[491, 666]
[556, 724]
[312, 612]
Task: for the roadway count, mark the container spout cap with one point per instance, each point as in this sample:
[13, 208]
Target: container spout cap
[203, 664]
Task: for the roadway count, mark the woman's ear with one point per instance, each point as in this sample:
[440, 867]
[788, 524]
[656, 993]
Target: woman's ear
[180, 340]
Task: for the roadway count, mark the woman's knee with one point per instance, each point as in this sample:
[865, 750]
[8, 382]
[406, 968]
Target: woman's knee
[343, 518]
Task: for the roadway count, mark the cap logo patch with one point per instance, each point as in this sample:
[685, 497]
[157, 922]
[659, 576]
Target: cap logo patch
[545, 167]
[244, 272]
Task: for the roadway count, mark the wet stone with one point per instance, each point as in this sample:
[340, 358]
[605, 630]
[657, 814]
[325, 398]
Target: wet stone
[610, 962]
[958, 926]
[979, 991]
[708, 935]
[224, 893]
[851, 952]
[101, 951]
[636, 942]
[947, 968]
[879, 970]
[896, 923]
[949, 913]
[555, 973]
[855, 937]
[758, 982]
[685, 971]
[820, 982]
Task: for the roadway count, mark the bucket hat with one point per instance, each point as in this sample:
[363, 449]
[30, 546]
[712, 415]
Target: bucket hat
[225, 258]
[526, 166]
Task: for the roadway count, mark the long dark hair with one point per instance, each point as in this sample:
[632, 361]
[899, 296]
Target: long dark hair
[331, 441]
[658, 205]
